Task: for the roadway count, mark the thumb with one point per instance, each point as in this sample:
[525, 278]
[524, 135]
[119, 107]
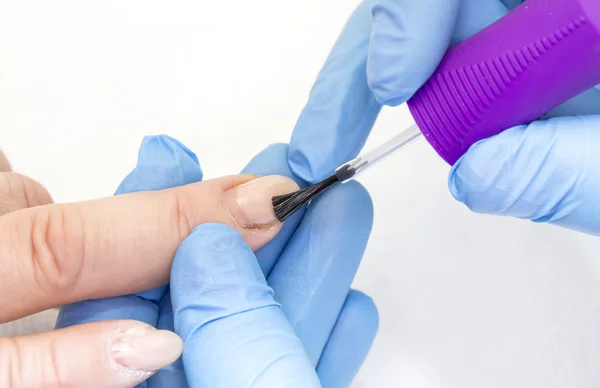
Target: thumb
[235, 333]
[102, 354]
[544, 172]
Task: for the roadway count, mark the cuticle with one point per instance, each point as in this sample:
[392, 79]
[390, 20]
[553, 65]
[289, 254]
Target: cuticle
[259, 227]
[122, 369]
[256, 228]
[249, 178]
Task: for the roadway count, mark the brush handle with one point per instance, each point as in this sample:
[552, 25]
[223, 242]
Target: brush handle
[537, 57]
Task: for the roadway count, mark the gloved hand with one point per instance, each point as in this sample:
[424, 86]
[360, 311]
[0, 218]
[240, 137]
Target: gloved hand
[310, 265]
[235, 334]
[545, 172]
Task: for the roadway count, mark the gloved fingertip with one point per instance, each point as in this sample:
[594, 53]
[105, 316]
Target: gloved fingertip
[350, 201]
[163, 162]
[471, 178]
[165, 144]
[404, 51]
[278, 149]
[388, 66]
[341, 110]
[361, 306]
[355, 332]
[212, 238]
[358, 198]
[273, 160]
[455, 184]
[215, 274]
[302, 165]
[321, 260]
[506, 174]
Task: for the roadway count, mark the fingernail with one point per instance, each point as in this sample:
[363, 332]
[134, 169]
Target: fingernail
[250, 203]
[145, 350]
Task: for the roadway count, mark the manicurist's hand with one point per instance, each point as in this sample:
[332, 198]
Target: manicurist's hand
[56, 254]
[545, 172]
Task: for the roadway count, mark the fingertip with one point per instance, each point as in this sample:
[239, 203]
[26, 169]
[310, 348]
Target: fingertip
[350, 198]
[362, 199]
[168, 142]
[473, 179]
[273, 160]
[215, 266]
[302, 164]
[390, 71]
[455, 182]
[210, 234]
[341, 110]
[344, 212]
[272, 151]
[537, 172]
[217, 285]
[354, 333]
[168, 156]
[360, 307]
[405, 50]
[111, 353]
[251, 206]
[163, 162]
[321, 260]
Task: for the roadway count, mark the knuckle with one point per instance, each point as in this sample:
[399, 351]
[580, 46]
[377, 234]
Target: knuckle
[183, 211]
[57, 248]
[51, 369]
[22, 368]
[10, 363]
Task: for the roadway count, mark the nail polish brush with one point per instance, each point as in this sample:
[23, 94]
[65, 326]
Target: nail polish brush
[537, 57]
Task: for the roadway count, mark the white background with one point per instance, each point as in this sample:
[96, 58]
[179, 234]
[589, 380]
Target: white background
[465, 300]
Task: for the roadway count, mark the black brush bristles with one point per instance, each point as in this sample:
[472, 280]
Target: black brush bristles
[288, 204]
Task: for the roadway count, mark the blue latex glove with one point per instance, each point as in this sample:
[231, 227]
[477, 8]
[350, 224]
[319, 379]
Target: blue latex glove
[304, 264]
[235, 333]
[543, 172]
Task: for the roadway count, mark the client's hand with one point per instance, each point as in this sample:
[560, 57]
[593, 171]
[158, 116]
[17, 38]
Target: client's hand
[51, 255]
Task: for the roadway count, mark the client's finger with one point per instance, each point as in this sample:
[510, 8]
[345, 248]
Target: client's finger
[19, 192]
[58, 254]
[163, 162]
[111, 354]
[173, 375]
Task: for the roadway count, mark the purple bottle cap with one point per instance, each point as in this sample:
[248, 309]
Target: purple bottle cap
[537, 57]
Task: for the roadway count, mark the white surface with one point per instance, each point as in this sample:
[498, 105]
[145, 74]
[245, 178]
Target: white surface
[465, 300]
